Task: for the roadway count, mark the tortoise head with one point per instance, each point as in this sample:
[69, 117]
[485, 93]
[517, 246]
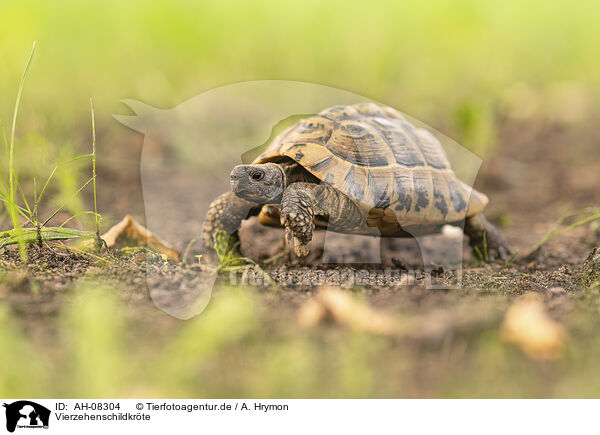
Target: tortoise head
[262, 184]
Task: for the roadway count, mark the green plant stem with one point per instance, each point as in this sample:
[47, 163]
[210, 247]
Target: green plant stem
[554, 231]
[66, 202]
[98, 239]
[11, 155]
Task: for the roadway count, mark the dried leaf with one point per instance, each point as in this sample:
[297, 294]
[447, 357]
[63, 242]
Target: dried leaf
[129, 233]
[312, 313]
[528, 325]
[339, 306]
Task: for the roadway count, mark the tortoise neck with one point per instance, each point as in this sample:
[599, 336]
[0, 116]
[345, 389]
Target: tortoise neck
[283, 174]
[284, 181]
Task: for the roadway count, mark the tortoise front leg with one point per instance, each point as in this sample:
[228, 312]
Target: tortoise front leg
[302, 201]
[225, 213]
[483, 235]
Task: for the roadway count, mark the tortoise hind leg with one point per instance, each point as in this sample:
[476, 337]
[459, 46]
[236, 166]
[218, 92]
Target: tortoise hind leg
[485, 237]
[225, 213]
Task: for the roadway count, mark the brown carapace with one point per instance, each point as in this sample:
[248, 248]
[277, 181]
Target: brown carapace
[359, 169]
[398, 174]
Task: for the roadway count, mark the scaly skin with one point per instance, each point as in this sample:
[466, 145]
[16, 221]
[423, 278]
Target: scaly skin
[225, 213]
[302, 201]
[497, 246]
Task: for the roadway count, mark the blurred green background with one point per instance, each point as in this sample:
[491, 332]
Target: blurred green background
[439, 60]
[459, 66]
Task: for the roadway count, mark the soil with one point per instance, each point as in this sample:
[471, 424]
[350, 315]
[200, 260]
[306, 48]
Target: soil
[538, 174]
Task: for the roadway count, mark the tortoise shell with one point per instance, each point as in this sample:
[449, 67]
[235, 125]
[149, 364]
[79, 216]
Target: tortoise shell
[397, 173]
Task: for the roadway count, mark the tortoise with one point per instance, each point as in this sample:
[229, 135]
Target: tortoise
[359, 169]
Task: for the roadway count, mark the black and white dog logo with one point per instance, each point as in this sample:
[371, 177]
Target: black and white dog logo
[26, 414]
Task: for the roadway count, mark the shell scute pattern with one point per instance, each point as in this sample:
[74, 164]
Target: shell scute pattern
[432, 150]
[375, 156]
[456, 193]
[422, 189]
[404, 187]
[341, 113]
[440, 193]
[354, 182]
[403, 149]
[379, 189]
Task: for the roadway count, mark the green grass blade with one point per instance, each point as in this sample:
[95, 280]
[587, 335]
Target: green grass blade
[23, 212]
[66, 202]
[24, 199]
[76, 216]
[34, 190]
[71, 232]
[14, 124]
[579, 223]
[30, 235]
[4, 139]
[11, 155]
[188, 248]
[98, 240]
[35, 200]
[51, 176]
[39, 198]
[554, 230]
[75, 159]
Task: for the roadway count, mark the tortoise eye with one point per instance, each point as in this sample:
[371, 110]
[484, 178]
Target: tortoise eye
[256, 176]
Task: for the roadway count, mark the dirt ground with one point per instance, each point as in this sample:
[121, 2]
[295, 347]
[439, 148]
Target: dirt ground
[539, 173]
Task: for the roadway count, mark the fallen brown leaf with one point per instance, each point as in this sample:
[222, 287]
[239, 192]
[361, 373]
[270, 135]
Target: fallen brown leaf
[528, 325]
[334, 304]
[129, 233]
